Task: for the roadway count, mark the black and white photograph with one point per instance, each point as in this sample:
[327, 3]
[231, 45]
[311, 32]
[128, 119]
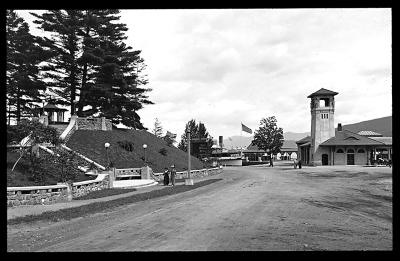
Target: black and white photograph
[199, 130]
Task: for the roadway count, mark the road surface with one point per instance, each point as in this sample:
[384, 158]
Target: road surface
[252, 208]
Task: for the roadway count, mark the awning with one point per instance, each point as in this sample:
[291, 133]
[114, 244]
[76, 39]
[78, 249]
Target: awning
[305, 144]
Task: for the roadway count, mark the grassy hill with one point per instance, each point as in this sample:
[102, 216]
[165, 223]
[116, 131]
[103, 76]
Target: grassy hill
[380, 125]
[22, 177]
[90, 143]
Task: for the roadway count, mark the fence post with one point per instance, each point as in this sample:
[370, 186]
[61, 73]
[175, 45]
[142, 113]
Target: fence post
[111, 178]
[69, 190]
[145, 172]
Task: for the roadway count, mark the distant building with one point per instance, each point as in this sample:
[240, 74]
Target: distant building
[327, 146]
[288, 152]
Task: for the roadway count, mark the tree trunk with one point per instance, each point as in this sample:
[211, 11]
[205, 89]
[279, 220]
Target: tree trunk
[18, 112]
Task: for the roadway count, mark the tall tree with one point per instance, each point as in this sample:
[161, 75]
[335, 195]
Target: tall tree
[170, 138]
[116, 91]
[62, 70]
[93, 63]
[25, 86]
[193, 128]
[269, 137]
[196, 131]
[158, 130]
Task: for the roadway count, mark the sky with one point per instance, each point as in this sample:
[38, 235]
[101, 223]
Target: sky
[222, 67]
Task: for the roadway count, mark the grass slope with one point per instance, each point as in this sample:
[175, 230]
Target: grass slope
[90, 143]
[21, 176]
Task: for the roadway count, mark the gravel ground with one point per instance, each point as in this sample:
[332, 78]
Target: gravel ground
[251, 208]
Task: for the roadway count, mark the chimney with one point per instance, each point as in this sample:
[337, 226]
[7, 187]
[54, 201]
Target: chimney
[339, 127]
[221, 141]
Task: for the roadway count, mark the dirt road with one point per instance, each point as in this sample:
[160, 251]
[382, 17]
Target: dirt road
[251, 208]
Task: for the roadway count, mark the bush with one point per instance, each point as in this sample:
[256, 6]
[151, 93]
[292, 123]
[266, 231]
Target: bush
[39, 132]
[126, 145]
[163, 151]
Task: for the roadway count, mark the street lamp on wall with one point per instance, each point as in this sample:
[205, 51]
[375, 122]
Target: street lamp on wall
[144, 149]
[107, 145]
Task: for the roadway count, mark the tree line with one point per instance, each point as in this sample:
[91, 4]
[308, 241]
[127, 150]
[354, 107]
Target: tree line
[82, 62]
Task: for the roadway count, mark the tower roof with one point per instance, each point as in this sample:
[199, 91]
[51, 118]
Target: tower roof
[322, 91]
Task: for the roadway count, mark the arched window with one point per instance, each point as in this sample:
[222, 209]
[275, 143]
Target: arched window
[361, 151]
[339, 151]
[350, 151]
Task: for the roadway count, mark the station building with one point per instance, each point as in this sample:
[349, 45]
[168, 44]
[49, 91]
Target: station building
[327, 146]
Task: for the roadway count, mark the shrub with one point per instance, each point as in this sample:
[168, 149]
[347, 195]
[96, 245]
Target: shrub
[126, 145]
[163, 151]
[39, 132]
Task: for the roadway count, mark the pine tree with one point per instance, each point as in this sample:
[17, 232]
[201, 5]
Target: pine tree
[62, 69]
[92, 62]
[158, 130]
[25, 87]
[203, 133]
[114, 91]
[193, 128]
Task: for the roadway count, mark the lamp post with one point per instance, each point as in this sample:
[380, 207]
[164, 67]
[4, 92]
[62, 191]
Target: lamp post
[107, 145]
[189, 180]
[144, 149]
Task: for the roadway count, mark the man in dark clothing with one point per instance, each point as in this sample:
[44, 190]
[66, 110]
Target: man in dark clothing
[166, 177]
[173, 173]
[299, 164]
[271, 163]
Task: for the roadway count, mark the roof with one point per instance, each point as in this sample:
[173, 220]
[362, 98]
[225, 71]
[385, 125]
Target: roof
[385, 140]
[381, 125]
[305, 144]
[288, 145]
[51, 106]
[346, 137]
[304, 140]
[369, 133]
[322, 91]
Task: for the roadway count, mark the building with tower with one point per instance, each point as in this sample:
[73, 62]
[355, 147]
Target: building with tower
[330, 146]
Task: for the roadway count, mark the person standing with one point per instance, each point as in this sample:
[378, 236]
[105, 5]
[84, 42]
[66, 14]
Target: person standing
[173, 173]
[166, 177]
[271, 163]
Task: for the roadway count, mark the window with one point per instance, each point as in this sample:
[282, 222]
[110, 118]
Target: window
[324, 115]
[361, 151]
[350, 151]
[339, 151]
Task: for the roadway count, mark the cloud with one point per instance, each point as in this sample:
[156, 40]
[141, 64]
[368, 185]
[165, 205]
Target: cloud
[225, 66]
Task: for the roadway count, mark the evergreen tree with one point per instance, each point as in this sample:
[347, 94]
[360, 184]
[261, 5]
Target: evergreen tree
[196, 131]
[203, 133]
[115, 92]
[268, 137]
[193, 128]
[92, 62]
[158, 130]
[25, 87]
[170, 138]
[62, 69]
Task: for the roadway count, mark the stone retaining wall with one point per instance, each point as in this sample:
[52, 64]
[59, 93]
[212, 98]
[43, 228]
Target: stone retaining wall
[51, 194]
[193, 173]
[94, 124]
